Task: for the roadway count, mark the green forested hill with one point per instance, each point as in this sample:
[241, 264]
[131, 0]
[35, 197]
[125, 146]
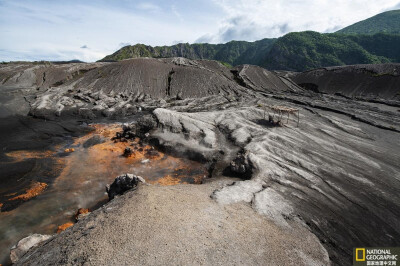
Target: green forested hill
[387, 22]
[234, 52]
[297, 51]
[375, 40]
[307, 50]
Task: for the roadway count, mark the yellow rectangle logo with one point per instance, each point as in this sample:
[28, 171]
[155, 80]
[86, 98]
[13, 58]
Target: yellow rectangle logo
[358, 252]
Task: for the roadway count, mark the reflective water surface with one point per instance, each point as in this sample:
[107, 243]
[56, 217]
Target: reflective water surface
[83, 175]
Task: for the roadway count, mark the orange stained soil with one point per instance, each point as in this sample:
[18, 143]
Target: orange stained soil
[167, 180]
[35, 190]
[64, 227]
[93, 167]
[106, 159]
[81, 211]
[20, 156]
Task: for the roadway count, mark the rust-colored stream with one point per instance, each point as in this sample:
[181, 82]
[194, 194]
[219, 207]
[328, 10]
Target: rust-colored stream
[81, 184]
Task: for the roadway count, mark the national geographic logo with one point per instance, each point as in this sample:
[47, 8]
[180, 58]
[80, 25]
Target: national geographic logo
[376, 256]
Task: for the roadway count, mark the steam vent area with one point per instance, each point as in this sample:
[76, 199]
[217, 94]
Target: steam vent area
[178, 161]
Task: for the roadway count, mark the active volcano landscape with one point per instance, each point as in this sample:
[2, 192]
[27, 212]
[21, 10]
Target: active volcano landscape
[283, 151]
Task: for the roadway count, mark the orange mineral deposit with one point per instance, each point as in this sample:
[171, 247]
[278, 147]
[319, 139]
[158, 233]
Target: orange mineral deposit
[81, 211]
[35, 190]
[64, 227]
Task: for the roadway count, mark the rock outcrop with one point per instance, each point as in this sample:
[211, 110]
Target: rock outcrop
[241, 165]
[311, 173]
[122, 184]
[25, 244]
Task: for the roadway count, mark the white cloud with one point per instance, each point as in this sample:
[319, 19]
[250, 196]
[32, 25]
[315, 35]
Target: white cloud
[100, 28]
[177, 41]
[176, 13]
[256, 19]
[148, 7]
[59, 30]
[123, 44]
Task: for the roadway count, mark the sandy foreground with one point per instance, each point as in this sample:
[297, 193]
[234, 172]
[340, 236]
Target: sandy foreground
[181, 225]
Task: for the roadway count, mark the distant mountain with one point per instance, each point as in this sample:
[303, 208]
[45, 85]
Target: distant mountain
[297, 51]
[301, 51]
[387, 22]
[67, 62]
[233, 53]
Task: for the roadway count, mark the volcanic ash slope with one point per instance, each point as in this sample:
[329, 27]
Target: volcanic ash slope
[323, 186]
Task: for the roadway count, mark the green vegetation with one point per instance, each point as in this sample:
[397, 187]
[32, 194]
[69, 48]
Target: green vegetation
[296, 51]
[233, 53]
[307, 50]
[226, 64]
[387, 22]
[372, 41]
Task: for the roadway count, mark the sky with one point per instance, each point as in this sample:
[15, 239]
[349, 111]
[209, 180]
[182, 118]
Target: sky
[89, 30]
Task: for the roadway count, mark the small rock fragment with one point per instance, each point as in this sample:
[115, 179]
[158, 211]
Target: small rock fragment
[81, 213]
[123, 183]
[127, 152]
[145, 161]
[25, 244]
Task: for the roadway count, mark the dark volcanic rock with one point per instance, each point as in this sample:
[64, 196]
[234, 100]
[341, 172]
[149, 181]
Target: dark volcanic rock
[159, 78]
[93, 141]
[127, 152]
[152, 153]
[42, 75]
[125, 88]
[145, 124]
[123, 183]
[258, 78]
[366, 81]
[241, 165]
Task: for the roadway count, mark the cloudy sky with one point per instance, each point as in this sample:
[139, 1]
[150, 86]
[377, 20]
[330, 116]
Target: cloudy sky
[88, 30]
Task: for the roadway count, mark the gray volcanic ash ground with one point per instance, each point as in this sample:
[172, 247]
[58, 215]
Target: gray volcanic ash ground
[313, 183]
